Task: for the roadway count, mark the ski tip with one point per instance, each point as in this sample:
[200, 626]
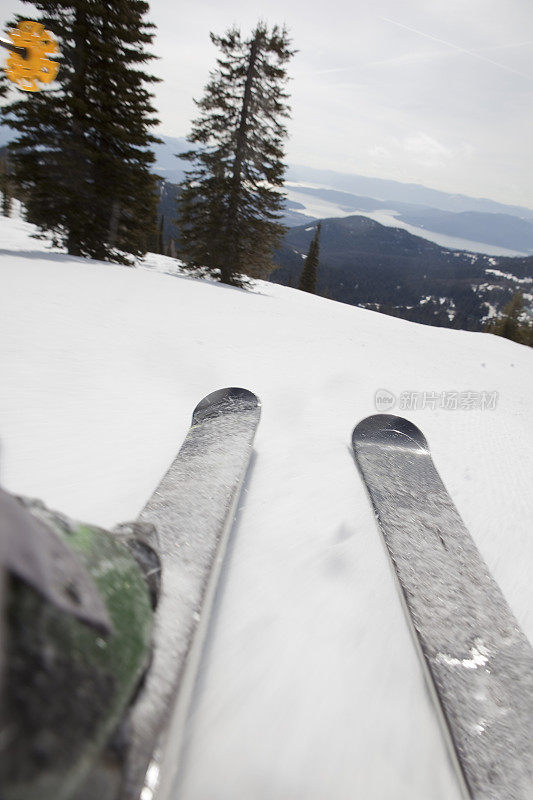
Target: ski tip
[388, 429]
[225, 401]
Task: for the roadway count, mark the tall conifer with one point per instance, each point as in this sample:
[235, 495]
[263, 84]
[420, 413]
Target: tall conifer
[82, 156]
[230, 200]
[510, 325]
[5, 182]
[309, 276]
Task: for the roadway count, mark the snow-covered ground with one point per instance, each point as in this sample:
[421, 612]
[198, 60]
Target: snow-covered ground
[310, 687]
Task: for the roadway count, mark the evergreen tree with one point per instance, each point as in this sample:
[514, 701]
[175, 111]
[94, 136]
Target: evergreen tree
[82, 157]
[3, 84]
[6, 182]
[509, 325]
[230, 201]
[308, 278]
[161, 236]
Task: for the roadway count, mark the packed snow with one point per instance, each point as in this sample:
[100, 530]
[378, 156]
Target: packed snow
[310, 687]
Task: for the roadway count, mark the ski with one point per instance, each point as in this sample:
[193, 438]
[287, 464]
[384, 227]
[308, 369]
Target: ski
[478, 660]
[192, 509]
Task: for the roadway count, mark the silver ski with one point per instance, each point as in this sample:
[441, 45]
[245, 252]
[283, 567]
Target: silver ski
[478, 659]
[192, 508]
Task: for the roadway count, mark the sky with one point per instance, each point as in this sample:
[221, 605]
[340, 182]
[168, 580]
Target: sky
[438, 93]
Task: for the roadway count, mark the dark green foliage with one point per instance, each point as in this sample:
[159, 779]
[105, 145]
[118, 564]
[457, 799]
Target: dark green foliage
[390, 270]
[230, 200]
[309, 276]
[510, 325]
[4, 82]
[6, 182]
[161, 236]
[82, 157]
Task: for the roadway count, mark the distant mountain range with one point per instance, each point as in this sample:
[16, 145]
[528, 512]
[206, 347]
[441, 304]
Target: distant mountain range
[365, 263]
[388, 269]
[451, 220]
[494, 228]
[383, 266]
[388, 190]
[172, 169]
[475, 223]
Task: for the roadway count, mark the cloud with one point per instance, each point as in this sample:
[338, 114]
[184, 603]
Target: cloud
[418, 151]
[392, 99]
[380, 153]
[471, 53]
[426, 150]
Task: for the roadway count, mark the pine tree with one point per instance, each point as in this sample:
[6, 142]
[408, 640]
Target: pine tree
[308, 278]
[509, 325]
[161, 236]
[4, 82]
[82, 157]
[6, 187]
[230, 201]
[6, 182]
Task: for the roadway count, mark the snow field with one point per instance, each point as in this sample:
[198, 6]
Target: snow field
[309, 685]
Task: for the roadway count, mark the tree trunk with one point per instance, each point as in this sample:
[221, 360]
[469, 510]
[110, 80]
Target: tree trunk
[74, 147]
[5, 185]
[112, 235]
[230, 264]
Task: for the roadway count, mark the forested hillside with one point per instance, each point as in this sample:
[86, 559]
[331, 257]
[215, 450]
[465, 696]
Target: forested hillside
[389, 269]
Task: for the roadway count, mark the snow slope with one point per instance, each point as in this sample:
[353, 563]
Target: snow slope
[310, 687]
